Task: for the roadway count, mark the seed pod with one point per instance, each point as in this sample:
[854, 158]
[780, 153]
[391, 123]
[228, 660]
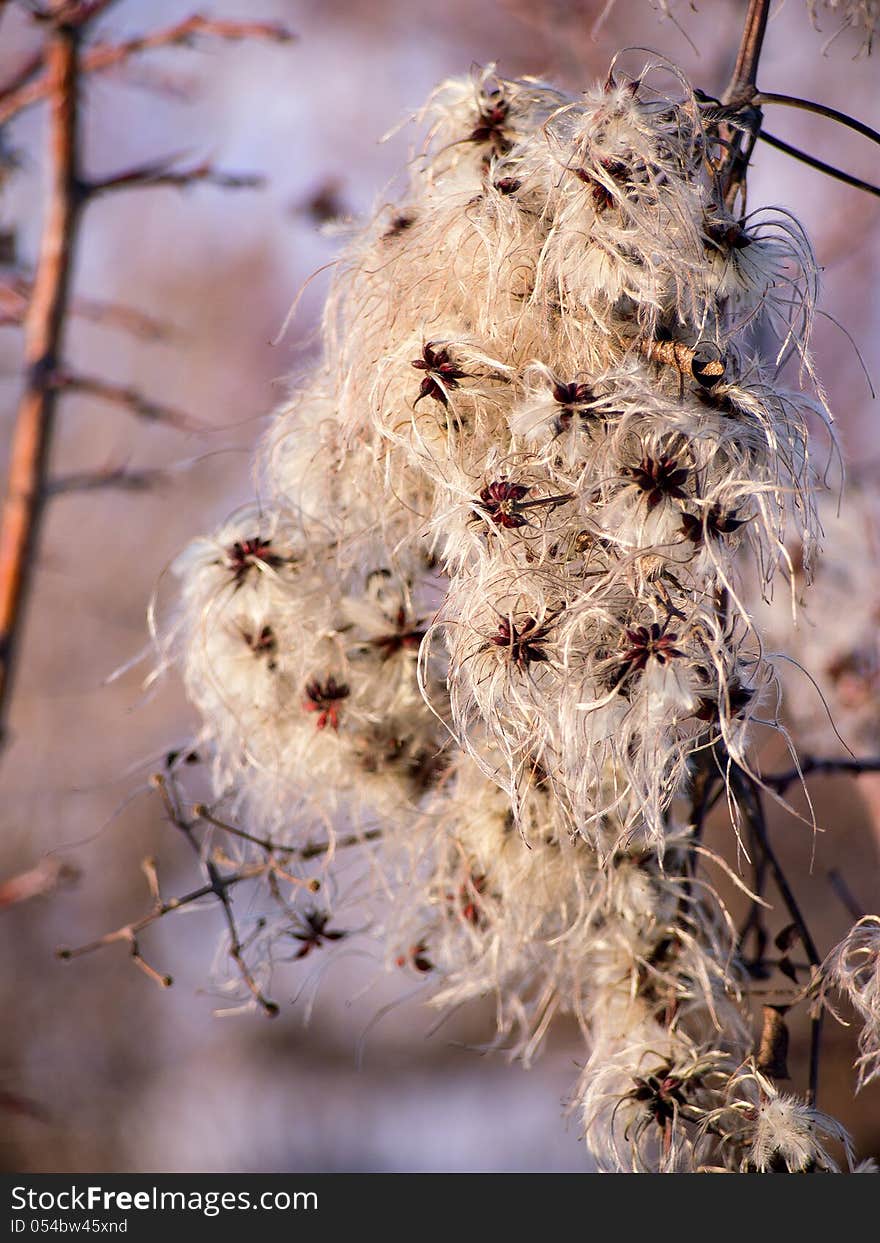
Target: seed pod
[707, 364]
[773, 1049]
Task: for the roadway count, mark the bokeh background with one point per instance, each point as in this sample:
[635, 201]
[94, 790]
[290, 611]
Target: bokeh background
[99, 1069]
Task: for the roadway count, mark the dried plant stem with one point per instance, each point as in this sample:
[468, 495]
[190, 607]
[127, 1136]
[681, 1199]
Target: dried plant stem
[745, 71]
[48, 300]
[740, 94]
[217, 886]
[750, 793]
[44, 324]
[822, 110]
[143, 407]
[838, 174]
[810, 764]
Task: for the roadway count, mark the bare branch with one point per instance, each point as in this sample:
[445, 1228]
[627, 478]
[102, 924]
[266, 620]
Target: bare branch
[741, 87]
[217, 885]
[118, 477]
[847, 178]
[302, 853]
[810, 764]
[822, 110]
[160, 173]
[122, 395]
[15, 295]
[750, 794]
[22, 508]
[125, 318]
[103, 56]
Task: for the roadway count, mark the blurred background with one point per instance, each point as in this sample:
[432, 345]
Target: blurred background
[99, 1069]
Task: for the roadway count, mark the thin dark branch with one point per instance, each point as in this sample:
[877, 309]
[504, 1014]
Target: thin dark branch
[740, 138]
[749, 792]
[217, 886]
[201, 812]
[741, 87]
[810, 765]
[853, 907]
[13, 303]
[822, 110]
[847, 178]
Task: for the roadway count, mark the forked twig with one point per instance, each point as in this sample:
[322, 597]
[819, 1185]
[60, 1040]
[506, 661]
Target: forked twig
[217, 885]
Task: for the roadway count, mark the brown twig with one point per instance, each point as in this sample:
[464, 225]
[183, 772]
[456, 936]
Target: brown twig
[31, 89]
[809, 765]
[217, 886]
[739, 95]
[23, 75]
[15, 295]
[121, 395]
[749, 793]
[118, 477]
[23, 505]
[853, 907]
[161, 173]
[829, 169]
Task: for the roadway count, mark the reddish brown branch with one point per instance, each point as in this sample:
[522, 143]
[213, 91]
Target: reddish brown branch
[741, 86]
[740, 136]
[22, 508]
[49, 299]
[25, 74]
[102, 56]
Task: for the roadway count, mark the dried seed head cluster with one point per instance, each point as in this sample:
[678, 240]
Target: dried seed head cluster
[491, 605]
